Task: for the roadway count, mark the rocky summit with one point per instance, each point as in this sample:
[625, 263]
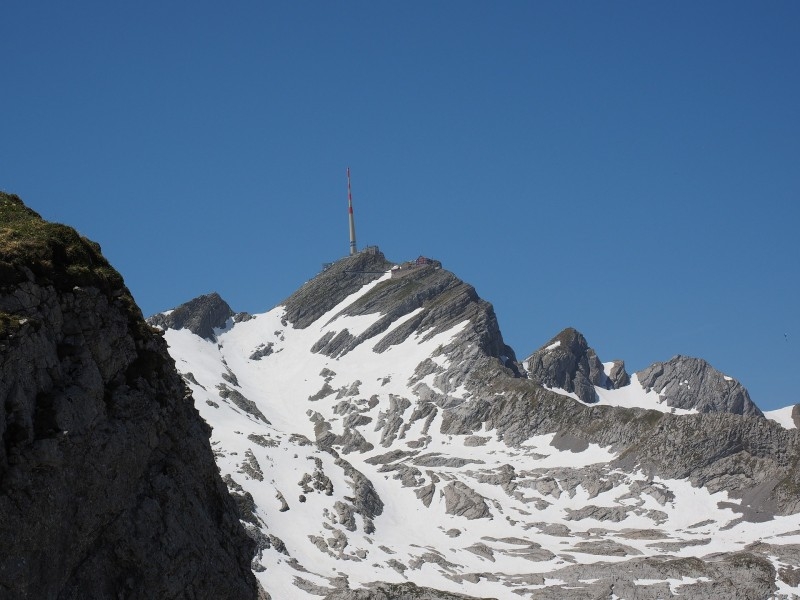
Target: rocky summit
[382, 441]
[108, 485]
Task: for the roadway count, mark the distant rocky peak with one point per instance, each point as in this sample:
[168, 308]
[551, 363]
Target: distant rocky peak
[200, 316]
[692, 383]
[568, 363]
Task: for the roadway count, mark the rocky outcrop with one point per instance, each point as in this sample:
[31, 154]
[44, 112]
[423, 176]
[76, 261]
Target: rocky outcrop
[567, 362]
[396, 591]
[334, 284]
[617, 375]
[743, 575]
[108, 486]
[200, 316]
[692, 383]
[462, 500]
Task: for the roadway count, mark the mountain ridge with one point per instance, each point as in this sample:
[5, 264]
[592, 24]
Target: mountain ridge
[407, 375]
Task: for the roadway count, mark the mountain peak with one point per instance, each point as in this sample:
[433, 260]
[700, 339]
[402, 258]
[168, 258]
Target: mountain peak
[692, 383]
[336, 281]
[416, 297]
[200, 315]
[568, 363]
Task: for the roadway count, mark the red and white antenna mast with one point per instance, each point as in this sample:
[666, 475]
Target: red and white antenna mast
[350, 211]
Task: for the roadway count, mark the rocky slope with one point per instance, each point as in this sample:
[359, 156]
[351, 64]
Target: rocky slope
[108, 486]
[383, 441]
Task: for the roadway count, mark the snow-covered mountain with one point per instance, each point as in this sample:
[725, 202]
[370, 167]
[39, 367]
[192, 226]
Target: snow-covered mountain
[382, 441]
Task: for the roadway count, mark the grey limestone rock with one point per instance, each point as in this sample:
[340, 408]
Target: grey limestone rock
[365, 499]
[441, 299]
[741, 575]
[692, 383]
[617, 375]
[262, 351]
[396, 591]
[200, 316]
[752, 458]
[425, 493]
[251, 467]
[346, 515]
[284, 505]
[567, 362]
[482, 550]
[462, 500]
[335, 344]
[241, 402]
[334, 284]
[614, 514]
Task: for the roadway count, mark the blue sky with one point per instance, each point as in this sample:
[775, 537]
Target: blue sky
[631, 169]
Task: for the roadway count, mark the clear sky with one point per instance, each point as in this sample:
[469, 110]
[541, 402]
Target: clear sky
[631, 169]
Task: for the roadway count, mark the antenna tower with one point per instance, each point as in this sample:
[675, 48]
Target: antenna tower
[350, 215]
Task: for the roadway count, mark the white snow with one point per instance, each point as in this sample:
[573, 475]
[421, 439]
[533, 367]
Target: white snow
[782, 416]
[632, 395]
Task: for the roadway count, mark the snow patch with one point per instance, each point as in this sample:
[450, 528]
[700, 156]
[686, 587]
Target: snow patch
[782, 416]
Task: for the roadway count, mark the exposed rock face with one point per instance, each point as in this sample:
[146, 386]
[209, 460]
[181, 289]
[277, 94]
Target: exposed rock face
[200, 316]
[617, 375]
[692, 383]
[326, 290]
[397, 591]
[439, 299]
[108, 486]
[460, 499]
[567, 362]
[753, 458]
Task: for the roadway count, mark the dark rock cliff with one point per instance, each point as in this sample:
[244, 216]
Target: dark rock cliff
[108, 486]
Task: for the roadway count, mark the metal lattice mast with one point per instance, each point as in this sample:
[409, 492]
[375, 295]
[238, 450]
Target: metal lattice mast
[350, 211]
